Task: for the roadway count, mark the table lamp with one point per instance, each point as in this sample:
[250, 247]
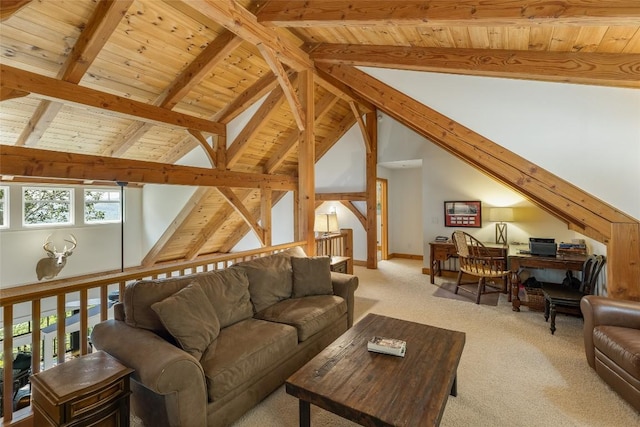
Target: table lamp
[501, 216]
[326, 223]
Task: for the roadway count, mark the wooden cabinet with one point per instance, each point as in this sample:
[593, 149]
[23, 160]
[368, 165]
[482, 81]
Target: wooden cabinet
[92, 390]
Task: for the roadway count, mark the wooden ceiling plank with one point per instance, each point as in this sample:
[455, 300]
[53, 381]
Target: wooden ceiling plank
[209, 229]
[332, 13]
[287, 88]
[240, 21]
[338, 131]
[60, 90]
[187, 211]
[240, 208]
[210, 57]
[607, 69]
[363, 127]
[126, 139]
[23, 161]
[241, 142]
[507, 167]
[101, 25]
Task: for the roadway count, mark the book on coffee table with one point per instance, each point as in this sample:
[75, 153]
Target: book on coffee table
[392, 346]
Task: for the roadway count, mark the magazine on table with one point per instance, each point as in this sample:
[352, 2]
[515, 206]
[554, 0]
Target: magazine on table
[385, 345]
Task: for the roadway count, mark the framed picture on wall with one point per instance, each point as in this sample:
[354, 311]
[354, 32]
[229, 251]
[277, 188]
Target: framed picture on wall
[463, 214]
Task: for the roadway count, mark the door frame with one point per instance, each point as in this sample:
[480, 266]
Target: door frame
[382, 185]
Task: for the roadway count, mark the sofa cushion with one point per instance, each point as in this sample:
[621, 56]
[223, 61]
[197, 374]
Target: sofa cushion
[311, 276]
[227, 290]
[244, 352]
[270, 279]
[308, 315]
[190, 319]
[621, 345]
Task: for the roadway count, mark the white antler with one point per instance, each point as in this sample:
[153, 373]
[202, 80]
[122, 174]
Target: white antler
[51, 252]
[73, 241]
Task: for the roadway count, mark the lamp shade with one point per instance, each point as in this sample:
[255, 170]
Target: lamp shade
[326, 223]
[501, 214]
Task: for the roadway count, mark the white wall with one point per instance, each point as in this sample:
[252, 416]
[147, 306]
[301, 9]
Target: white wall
[98, 245]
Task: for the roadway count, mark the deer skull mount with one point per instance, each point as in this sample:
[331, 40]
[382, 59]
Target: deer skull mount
[48, 268]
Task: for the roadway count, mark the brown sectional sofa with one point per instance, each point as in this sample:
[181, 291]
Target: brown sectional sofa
[612, 343]
[207, 347]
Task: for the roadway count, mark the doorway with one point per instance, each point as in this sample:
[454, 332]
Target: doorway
[382, 213]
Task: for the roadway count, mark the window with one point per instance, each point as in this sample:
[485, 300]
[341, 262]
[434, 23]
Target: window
[47, 206]
[101, 206]
[4, 207]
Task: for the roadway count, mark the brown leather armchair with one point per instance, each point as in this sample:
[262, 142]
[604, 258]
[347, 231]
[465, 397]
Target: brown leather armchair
[612, 343]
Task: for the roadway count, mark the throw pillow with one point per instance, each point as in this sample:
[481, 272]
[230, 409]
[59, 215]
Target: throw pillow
[270, 279]
[311, 276]
[190, 319]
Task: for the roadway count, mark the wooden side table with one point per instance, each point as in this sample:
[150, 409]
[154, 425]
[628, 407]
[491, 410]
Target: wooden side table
[339, 264]
[90, 390]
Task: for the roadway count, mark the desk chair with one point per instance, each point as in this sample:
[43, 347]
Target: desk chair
[567, 299]
[476, 260]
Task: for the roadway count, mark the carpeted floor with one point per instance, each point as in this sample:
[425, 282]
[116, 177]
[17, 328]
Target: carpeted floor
[447, 289]
[513, 372]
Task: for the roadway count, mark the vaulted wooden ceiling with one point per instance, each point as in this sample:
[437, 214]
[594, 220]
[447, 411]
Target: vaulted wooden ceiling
[113, 85]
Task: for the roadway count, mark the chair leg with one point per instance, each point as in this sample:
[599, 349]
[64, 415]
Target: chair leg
[553, 318]
[458, 282]
[480, 289]
[546, 310]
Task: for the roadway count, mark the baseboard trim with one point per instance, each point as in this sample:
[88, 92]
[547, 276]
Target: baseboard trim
[406, 256]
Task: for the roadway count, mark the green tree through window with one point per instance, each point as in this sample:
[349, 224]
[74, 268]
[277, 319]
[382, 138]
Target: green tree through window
[47, 206]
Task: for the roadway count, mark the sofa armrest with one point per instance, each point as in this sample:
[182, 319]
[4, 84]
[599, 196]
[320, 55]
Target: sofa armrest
[598, 310]
[345, 285]
[160, 366]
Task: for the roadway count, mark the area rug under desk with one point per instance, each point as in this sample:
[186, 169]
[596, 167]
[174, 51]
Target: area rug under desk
[447, 289]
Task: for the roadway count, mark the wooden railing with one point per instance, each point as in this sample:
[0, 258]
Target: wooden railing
[89, 297]
[79, 290]
[337, 244]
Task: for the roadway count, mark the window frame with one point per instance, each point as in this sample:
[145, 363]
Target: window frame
[5, 202]
[106, 190]
[71, 204]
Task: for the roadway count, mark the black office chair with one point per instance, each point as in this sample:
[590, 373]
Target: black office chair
[565, 298]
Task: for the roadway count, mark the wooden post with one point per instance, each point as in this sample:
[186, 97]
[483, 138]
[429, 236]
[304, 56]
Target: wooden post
[371, 173]
[623, 262]
[306, 163]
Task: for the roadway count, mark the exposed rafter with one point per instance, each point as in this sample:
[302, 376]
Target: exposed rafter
[244, 213]
[23, 161]
[575, 67]
[59, 90]
[334, 13]
[102, 24]
[9, 7]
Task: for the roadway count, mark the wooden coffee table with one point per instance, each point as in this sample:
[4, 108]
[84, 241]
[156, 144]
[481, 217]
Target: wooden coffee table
[374, 389]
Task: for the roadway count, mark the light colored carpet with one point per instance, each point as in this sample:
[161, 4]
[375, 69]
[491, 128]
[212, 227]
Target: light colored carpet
[513, 372]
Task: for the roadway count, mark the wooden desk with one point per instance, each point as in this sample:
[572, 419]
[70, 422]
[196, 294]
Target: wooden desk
[442, 251]
[519, 261]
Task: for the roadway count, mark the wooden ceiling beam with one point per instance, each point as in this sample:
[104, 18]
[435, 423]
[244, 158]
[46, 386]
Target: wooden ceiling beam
[9, 7]
[240, 21]
[605, 69]
[334, 13]
[103, 22]
[256, 91]
[354, 197]
[23, 161]
[238, 205]
[287, 88]
[505, 166]
[58, 90]
[363, 127]
[323, 106]
[208, 149]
